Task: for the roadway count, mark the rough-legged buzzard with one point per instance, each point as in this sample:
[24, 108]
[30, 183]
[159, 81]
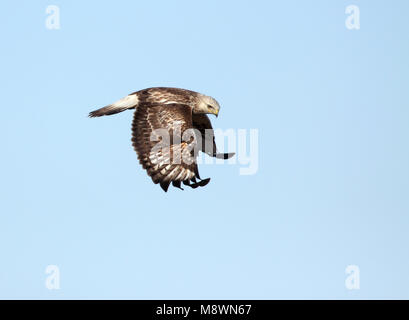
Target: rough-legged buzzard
[170, 126]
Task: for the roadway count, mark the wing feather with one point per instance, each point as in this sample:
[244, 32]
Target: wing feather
[166, 159]
[129, 102]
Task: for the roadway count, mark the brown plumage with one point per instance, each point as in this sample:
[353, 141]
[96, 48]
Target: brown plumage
[169, 126]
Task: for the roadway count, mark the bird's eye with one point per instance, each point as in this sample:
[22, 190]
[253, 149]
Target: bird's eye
[210, 107]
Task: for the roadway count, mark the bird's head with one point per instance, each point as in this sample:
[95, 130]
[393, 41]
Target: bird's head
[207, 104]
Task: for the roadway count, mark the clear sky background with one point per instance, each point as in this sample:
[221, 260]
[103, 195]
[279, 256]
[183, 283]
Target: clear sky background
[331, 106]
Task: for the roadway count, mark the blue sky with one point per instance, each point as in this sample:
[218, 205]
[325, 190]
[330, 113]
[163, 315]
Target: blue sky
[331, 107]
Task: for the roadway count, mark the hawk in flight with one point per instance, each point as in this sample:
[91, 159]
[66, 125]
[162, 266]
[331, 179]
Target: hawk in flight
[169, 127]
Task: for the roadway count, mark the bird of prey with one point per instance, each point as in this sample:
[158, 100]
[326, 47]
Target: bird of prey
[161, 119]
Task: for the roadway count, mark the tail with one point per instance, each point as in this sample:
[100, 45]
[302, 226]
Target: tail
[129, 102]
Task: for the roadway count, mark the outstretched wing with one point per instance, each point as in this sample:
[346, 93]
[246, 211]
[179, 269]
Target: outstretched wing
[163, 147]
[201, 122]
